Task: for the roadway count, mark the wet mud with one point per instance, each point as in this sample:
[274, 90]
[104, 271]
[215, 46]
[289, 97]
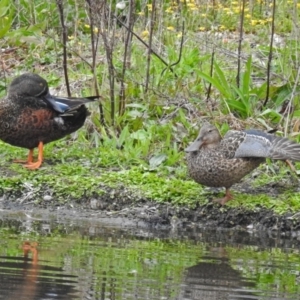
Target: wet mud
[120, 207]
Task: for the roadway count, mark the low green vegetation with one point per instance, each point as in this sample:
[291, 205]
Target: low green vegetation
[152, 104]
[70, 176]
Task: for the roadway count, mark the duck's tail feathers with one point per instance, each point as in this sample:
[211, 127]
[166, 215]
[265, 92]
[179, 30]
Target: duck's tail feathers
[283, 149]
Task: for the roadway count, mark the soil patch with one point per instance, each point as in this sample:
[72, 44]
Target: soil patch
[119, 206]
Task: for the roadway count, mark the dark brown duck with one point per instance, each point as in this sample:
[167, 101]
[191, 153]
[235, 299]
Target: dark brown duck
[217, 162]
[30, 117]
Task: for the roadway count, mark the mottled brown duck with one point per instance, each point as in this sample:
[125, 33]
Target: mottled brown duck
[30, 117]
[217, 162]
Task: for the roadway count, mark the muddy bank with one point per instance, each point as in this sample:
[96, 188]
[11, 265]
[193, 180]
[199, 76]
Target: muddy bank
[121, 207]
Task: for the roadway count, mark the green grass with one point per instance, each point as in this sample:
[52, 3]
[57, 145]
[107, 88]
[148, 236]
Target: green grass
[141, 146]
[72, 175]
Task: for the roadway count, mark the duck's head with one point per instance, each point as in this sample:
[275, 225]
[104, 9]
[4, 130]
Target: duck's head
[33, 85]
[28, 85]
[209, 137]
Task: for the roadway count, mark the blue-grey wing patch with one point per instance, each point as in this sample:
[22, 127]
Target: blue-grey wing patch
[254, 146]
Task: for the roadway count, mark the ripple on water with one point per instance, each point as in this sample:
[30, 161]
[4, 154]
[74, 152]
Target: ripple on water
[73, 261]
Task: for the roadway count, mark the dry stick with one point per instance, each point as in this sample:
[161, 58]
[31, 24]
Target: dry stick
[211, 73]
[64, 36]
[144, 43]
[270, 55]
[231, 54]
[94, 56]
[70, 50]
[95, 9]
[180, 52]
[240, 45]
[150, 45]
[111, 73]
[125, 58]
[288, 109]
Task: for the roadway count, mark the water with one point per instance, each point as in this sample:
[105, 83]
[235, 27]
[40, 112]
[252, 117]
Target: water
[44, 259]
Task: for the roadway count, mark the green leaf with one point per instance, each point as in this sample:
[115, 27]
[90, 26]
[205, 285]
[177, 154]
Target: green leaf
[156, 160]
[6, 15]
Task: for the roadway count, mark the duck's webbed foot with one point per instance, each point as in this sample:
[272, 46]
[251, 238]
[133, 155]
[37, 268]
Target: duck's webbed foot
[222, 201]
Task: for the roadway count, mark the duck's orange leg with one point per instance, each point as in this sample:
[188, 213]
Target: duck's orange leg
[29, 158]
[291, 166]
[35, 165]
[222, 201]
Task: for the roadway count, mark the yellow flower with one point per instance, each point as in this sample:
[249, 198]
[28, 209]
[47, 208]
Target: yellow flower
[87, 26]
[145, 33]
[179, 35]
[96, 30]
[71, 37]
[222, 27]
[201, 28]
[169, 10]
[254, 22]
[203, 15]
[171, 28]
[149, 7]
[298, 5]
[141, 13]
[247, 16]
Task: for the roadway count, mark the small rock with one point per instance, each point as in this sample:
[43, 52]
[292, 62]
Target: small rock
[94, 203]
[47, 198]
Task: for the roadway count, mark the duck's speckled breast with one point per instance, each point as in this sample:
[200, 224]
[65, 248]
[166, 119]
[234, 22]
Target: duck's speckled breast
[211, 167]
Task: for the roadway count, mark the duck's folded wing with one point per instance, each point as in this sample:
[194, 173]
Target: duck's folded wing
[260, 144]
[250, 143]
[65, 105]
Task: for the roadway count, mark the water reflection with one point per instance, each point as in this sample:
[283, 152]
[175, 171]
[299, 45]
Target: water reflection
[214, 278]
[87, 260]
[25, 278]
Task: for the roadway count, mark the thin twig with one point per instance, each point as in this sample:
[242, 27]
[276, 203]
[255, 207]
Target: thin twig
[240, 44]
[65, 40]
[144, 43]
[94, 44]
[289, 106]
[150, 45]
[270, 55]
[180, 52]
[211, 73]
[126, 57]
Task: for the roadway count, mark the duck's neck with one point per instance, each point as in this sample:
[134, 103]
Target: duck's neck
[211, 146]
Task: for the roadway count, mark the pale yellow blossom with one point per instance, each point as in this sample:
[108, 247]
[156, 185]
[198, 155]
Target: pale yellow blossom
[171, 28]
[145, 33]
